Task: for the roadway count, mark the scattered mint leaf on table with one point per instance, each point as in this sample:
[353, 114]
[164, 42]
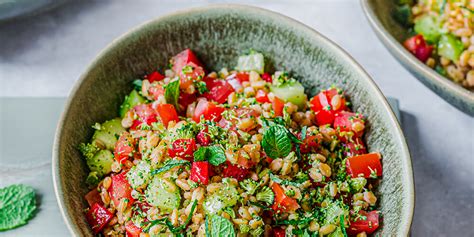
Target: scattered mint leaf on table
[17, 206]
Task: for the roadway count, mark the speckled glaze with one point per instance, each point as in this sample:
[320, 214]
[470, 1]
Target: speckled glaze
[218, 34]
[379, 14]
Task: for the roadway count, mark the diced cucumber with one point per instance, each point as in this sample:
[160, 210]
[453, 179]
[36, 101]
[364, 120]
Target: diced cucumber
[106, 136]
[101, 163]
[450, 46]
[292, 91]
[357, 184]
[430, 27]
[130, 101]
[163, 193]
[251, 62]
[224, 197]
[139, 175]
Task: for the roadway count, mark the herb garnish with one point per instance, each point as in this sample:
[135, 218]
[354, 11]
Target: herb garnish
[172, 93]
[276, 142]
[17, 206]
[214, 154]
[169, 165]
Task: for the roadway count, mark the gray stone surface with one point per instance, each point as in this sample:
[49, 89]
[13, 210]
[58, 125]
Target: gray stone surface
[43, 56]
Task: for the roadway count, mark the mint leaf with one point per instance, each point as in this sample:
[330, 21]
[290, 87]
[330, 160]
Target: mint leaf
[200, 154]
[216, 155]
[169, 165]
[220, 226]
[276, 143]
[17, 206]
[172, 93]
[137, 84]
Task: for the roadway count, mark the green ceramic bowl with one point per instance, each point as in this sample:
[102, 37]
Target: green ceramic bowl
[380, 16]
[218, 34]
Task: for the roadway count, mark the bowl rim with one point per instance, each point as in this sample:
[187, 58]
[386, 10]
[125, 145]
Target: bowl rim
[407, 176]
[412, 63]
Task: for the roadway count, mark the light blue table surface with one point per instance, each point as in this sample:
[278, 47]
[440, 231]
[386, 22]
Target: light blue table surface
[43, 56]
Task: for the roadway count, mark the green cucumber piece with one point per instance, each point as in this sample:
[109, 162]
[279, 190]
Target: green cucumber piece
[131, 101]
[430, 27]
[251, 62]
[101, 163]
[291, 91]
[164, 194]
[450, 46]
[106, 136]
[224, 197]
[139, 175]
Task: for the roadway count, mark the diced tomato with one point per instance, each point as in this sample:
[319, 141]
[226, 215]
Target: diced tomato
[155, 91]
[267, 77]
[200, 172]
[242, 76]
[185, 100]
[310, 143]
[154, 76]
[124, 147]
[208, 110]
[219, 90]
[369, 225]
[120, 188]
[349, 122]
[146, 115]
[354, 148]
[418, 47]
[235, 171]
[167, 113]
[365, 165]
[98, 217]
[262, 97]
[93, 197]
[189, 74]
[183, 148]
[324, 107]
[132, 230]
[203, 137]
[278, 232]
[183, 58]
[278, 106]
[282, 202]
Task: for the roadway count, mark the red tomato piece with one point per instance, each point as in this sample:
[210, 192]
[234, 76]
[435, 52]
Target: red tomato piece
[365, 164]
[190, 73]
[132, 230]
[167, 113]
[418, 47]
[203, 137]
[146, 115]
[155, 91]
[267, 77]
[310, 143]
[278, 232]
[235, 171]
[200, 172]
[98, 217]
[208, 110]
[124, 147]
[278, 106]
[354, 148]
[326, 104]
[282, 202]
[183, 58]
[154, 76]
[219, 90]
[368, 226]
[120, 188]
[242, 76]
[93, 197]
[349, 122]
[186, 99]
[262, 97]
[183, 148]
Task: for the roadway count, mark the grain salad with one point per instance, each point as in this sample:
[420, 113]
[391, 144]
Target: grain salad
[240, 152]
[443, 36]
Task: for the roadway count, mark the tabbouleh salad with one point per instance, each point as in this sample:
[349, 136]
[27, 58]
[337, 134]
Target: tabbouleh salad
[231, 153]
